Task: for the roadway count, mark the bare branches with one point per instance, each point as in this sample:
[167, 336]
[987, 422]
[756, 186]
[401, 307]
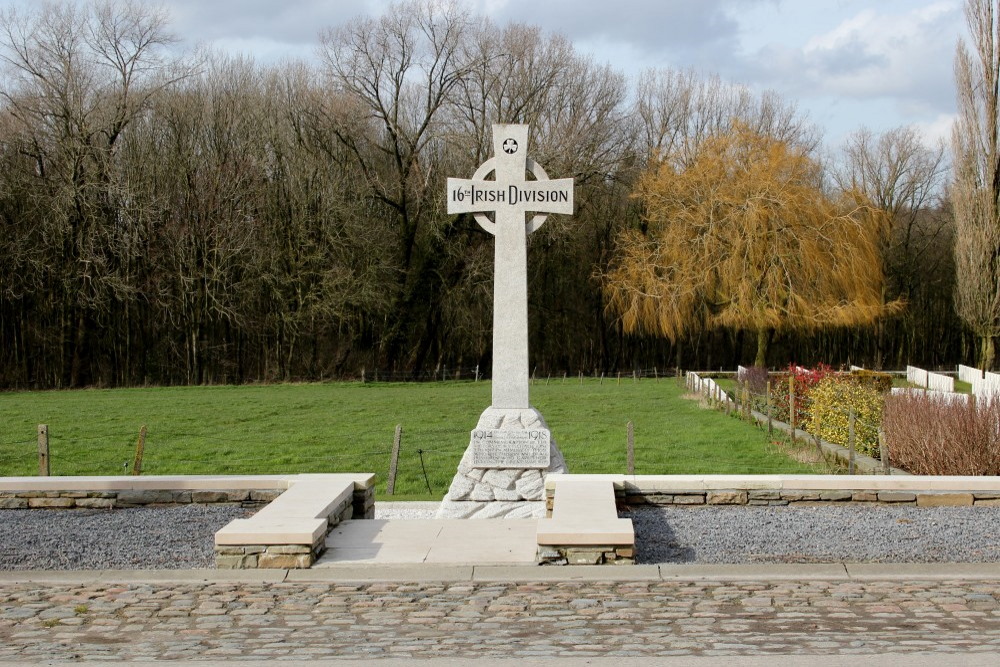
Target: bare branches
[976, 194]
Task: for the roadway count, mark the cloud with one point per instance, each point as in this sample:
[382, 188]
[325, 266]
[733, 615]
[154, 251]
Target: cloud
[873, 54]
[645, 26]
[267, 29]
[937, 129]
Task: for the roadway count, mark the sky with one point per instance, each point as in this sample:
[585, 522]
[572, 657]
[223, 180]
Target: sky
[845, 63]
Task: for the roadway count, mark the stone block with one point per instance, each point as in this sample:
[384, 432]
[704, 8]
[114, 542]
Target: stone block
[506, 494]
[481, 493]
[13, 503]
[145, 497]
[896, 497]
[988, 502]
[944, 499]
[625, 552]
[228, 562]
[264, 496]
[765, 494]
[461, 487]
[231, 551]
[836, 495]
[285, 549]
[236, 562]
[51, 503]
[219, 496]
[798, 495]
[692, 499]
[500, 479]
[530, 485]
[96, 503]
[727, 497]
[285, 561]
[584, 556]
[864, 497]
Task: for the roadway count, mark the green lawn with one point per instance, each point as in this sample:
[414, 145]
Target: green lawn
[349, 427]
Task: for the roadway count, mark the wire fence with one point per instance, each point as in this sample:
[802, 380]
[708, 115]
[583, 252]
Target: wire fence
[425, 461]
[445, 373]
[794, 412]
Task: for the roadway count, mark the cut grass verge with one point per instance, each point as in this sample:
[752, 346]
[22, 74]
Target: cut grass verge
[349, 427]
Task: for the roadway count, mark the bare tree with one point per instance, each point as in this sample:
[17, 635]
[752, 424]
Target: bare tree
[904, 181]
[976, 192]
[76, 77]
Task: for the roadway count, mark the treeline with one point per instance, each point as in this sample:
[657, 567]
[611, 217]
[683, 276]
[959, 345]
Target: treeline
[192, 218]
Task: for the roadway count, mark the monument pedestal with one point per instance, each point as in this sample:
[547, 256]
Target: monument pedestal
[485, 490]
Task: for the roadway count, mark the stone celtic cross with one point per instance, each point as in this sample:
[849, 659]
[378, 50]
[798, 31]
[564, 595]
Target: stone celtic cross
[510, 197]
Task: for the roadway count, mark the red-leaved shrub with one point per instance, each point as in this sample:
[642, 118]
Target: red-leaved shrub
[805, 380]
[930, 436]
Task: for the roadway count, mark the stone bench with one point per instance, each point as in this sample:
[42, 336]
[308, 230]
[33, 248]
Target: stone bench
[584, 528]
[290, 532]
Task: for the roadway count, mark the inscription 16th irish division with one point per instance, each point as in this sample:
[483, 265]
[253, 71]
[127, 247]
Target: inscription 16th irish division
[502, 473]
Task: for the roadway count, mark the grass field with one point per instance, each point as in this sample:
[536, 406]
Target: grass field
[339, 427]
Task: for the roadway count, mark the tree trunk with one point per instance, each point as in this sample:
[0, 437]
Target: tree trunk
[987, 352]
[762, 339]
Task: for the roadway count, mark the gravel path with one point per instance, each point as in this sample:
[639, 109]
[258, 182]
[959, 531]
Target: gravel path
[853, 533]
[178, 537]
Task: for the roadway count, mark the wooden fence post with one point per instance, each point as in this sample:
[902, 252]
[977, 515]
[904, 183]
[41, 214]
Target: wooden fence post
[390, 488]
[791, 404]
[630, 430]
[770, 425]
[850, 442]
[139, 447]
[43, 450]
[883, 452]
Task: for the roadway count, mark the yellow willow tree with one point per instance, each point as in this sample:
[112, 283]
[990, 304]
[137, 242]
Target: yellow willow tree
[742, 236]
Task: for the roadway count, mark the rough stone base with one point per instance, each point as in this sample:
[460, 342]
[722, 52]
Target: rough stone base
[586, 555]
[498, 493]
[276, 556]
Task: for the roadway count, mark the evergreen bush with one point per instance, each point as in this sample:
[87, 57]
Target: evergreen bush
[832, 401]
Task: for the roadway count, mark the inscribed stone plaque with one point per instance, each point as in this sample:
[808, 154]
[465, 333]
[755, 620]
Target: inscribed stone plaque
[493, 448]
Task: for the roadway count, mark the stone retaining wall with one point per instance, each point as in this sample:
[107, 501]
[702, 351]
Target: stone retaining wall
[63, 499]
[811, 497]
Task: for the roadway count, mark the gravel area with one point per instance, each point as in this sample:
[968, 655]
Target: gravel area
[852, 533]
[176, 537]
[180, 537]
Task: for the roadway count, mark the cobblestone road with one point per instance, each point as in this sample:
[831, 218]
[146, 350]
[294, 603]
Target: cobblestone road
[266, 621]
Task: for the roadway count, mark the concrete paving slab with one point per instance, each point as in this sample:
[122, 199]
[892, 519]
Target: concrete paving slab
[923, 571]
[50, 576]
[384, 573]
[485, 543]
[367, 532]
[567, 573]
[432, 541]
[755, 572]
[255, 576]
